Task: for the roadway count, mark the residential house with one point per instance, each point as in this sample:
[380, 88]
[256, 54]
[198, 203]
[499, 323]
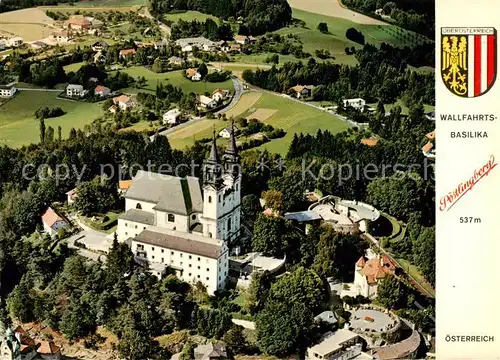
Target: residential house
[99, 57]
[369, 142]
[124, 102]
[429, 149]
[188, 44]
[184, 223]
[75, 90]
[193, 74]
[223, 46]
[62, 36]
[47, 350]
[124, 53]
[123, 186]
[302, 91]
[161, 44]
[242, 39]
[235, 48]
[227, 131]
[358, 103]
[99, 46]
[102, 91]
[71, 196]
[175, 60]
[52, 222]
[220, 95]
[340, 345]
[206, 102]
[172, 116]
[16, 345]
[15, 41]
[370, 272]
[8, 90]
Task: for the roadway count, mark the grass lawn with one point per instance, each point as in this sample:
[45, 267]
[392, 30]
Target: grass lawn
[335, 41]
[289, 115]
[74, 67]
[413, 270]
[404, 109]
[175, 78]
[189, 16]
[261, 58]
[18, 125]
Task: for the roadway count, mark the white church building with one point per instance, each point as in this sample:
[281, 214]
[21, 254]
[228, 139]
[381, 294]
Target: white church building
[184, 223]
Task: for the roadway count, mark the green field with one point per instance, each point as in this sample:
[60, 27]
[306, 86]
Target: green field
[335, 41]
[289, 115]
[73, 67]
[404, 109]
[18, 125]
[95, 3]
[175, 78]
[189, 16]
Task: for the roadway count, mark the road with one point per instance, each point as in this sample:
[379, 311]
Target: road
[238, 90]
[246, 324]
[145, 13]
[93, 239]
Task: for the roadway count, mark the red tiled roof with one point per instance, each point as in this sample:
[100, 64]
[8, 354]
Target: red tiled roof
[81, 22]
[125, 184]
[50, 217]
[100, 88]
[431, 135]
[427, 147]
[121, 98]
[240, 37]
[361, 261]
[191, 72]
[127, 52]
[48, 348]
[374, 270]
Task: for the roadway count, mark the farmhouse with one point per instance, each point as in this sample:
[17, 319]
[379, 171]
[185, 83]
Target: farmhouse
[52, 222]
[220, 95]
[223, 46]
[78, 24]
[127, 53]
[193, 74]
[206, 102]
[172, 116]
[186, 223]
[8, 90]
[175, 60]
[227, 131]
[62, 36]
[235, 48]
[102, 91]
[15, 41]
[358, 104]
[201, 43]
[242, 39]
[124, 102]
[75, 90]
[301, 91]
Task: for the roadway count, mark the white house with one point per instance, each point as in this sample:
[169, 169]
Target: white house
[8, 90]
[102, 91]
[227, 131]
[75, 90]
[124, 102]
[52, 222]
[369, 272]
[185, 223]
[220, 95]
[206, 102]
[340, 345]
[358, 104]
[302, 91]
[187, 44]
[99, 46]
[242, 39]
[172, 116]
[15, 41]
[71, 196]
[62, 36]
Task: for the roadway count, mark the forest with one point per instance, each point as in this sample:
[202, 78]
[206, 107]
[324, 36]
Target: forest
[258, 16]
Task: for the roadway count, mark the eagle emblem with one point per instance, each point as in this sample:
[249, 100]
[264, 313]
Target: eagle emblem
[468, 60]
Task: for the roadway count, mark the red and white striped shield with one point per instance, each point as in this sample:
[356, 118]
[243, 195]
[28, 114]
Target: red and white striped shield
[468, 60]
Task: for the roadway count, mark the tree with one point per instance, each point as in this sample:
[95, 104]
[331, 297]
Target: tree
[120, 260]
[391, 293]
[250, 206]
[323, 27]
[235, 340]
[98, 195]
[42, 131]
[203, 70]
[273, 200]
[268, 235]
[157, 65]
[257, 292]
[21, 301]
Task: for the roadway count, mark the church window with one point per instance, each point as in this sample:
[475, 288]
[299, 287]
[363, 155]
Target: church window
[138, 206]
[126, 233]
[189, 265]
[189, 274]
[209, 234]
[210, 199]
[208, 269]
[199, 259]
[152, 248]
[162, 251]
[229, 224]
[208, 278]
[171, 218]
[189, 257]
[126, 224]
[162, 260]
[236, 187]
[136, 226]
[152, 257]
[193, 217]
[171, 253]
[198, 276]
[199, 268]
[220, 199]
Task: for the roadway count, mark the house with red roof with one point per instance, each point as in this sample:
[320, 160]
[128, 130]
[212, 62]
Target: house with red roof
[52, 222]
[369, 272]
[102, 91]
[47, 350]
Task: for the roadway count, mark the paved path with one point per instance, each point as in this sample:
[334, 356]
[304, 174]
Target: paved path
[246, 324]
[39, 89]
[93, 239]
[145, 13]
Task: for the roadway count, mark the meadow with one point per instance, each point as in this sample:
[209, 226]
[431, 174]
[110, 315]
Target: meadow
[18, 125]
[189, 16]
[175, 78]
[276, 110]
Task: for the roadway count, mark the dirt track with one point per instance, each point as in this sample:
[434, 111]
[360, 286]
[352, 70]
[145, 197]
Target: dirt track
[335, 9]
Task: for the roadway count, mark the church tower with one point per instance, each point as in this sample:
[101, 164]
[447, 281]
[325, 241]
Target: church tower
[222, 193]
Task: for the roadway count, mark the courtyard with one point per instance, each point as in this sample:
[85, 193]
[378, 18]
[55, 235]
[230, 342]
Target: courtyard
[371, 320]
